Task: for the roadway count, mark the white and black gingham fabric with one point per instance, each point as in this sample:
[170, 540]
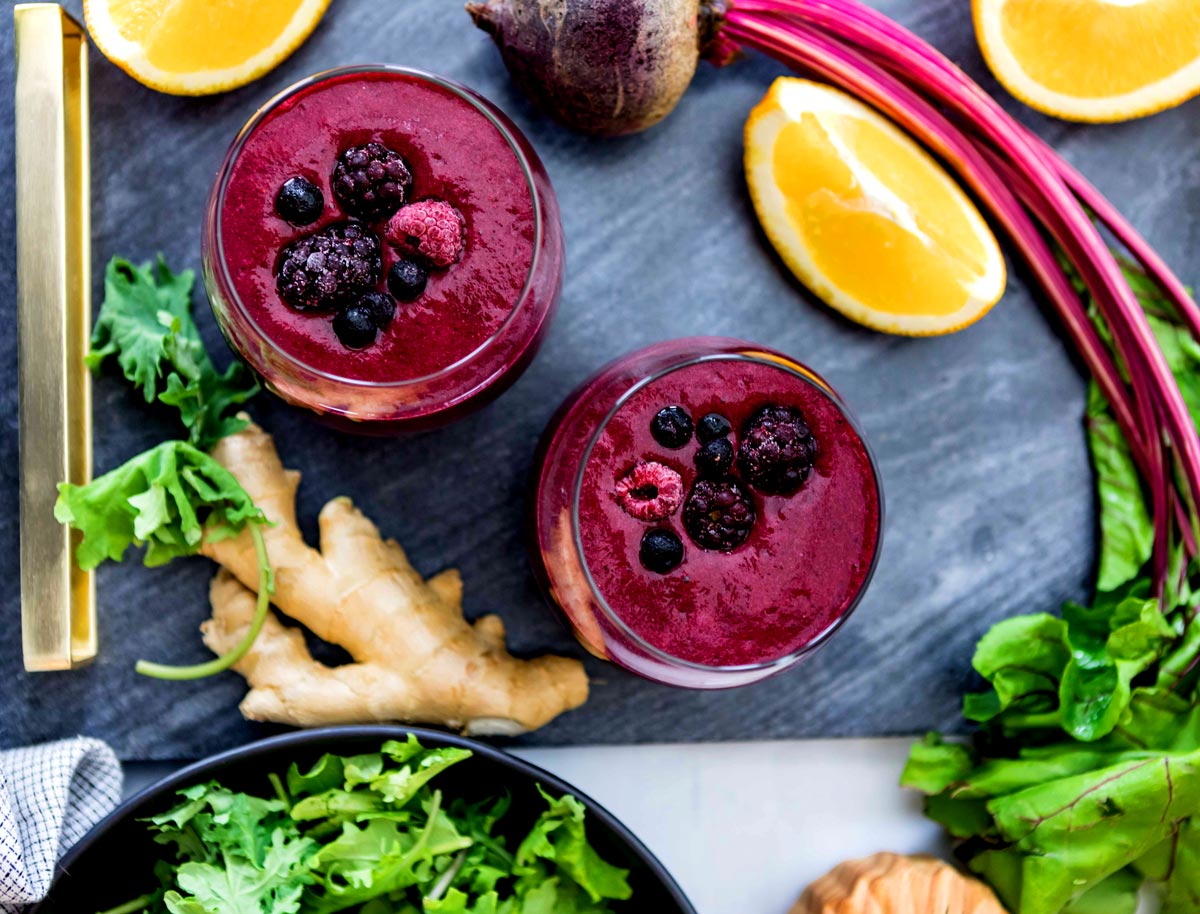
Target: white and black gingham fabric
[49, 797]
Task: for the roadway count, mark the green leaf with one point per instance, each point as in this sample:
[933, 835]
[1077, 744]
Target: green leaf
[934, 765]
[1111, 643]
[1075, 832]
[239, 886]
[166, 498]
[146, 322]
[327, 774]
[1023, 659]
[1118, 894]
[400, 785]
[143, 311]
[1126, 530]
[559, 837]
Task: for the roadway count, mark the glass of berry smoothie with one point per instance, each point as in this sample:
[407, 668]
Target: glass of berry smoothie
[705, 512]
[383, 247]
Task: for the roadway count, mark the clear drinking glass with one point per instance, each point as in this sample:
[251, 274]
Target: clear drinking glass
[557, 544]
[391, 406]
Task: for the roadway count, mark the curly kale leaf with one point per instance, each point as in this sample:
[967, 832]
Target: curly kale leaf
[146, 323]
[167, 498]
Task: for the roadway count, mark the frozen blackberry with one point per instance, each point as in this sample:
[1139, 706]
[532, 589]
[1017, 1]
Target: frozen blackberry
[329, 268]
[671, 427]
[715, 459]
[718, 514]
[371, 181]
[355, 326]
[299, 201]
[777, 450]
[661, 551]
[711, 427]
[381, 306]
[406, 280]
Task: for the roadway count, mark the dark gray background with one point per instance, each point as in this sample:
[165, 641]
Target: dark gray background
[979, 434]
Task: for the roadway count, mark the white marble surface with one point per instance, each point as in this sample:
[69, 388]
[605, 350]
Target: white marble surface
[743, 826]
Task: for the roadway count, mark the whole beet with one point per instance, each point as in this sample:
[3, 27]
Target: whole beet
[606, 67]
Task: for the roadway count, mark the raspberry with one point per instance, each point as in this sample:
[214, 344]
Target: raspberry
[650, 491]
[328, 268]
[431, 229]
[371, 181]
[777, 450]
[718, 514]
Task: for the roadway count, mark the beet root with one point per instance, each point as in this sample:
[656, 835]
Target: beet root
[605, 67]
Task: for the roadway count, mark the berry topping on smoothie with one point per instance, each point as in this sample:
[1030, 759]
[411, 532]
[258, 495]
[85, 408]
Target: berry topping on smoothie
[650, 491]
[329, 268]
[711, 427]
[672, 427]
[355, 326]
[718, 514]
[777, 450]
[407, 279]
[661, 551]
[371, 181]
[381, 306]
[431, 230]
[715, 459]
[299, 201]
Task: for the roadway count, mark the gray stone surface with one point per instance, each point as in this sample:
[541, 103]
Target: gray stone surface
[989, 505]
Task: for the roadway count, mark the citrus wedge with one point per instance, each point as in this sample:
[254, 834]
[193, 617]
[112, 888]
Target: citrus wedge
[866, 218]
[198, 47]
[1093, 60]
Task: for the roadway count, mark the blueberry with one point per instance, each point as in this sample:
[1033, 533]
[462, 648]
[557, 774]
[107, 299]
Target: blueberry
[711, 427]
[406, 279]
[355, 326]
[381, 306]
[671, 427]
[715, 459]
[299, 201]
[661, 551]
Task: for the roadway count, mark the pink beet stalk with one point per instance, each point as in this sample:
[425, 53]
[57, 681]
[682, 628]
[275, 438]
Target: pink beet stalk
[1016, 176]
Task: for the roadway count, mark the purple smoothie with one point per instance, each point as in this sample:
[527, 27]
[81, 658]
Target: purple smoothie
[478, 321]
[764, 603]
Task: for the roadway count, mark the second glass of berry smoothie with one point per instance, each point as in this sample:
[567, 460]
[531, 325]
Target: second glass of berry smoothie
[383, 247]
[705, 512]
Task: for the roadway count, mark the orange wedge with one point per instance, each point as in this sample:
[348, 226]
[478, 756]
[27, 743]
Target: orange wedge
[198, 47]
[1093, 60]
[865, 217]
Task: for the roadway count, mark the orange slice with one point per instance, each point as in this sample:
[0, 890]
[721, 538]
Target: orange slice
[1093, 60]
[865, 217]
[198, 47]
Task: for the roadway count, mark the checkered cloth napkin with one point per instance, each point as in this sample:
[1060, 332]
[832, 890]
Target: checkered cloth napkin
[49, 797]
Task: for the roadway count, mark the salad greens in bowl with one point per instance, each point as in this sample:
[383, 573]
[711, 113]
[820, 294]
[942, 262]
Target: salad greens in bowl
[369, 820]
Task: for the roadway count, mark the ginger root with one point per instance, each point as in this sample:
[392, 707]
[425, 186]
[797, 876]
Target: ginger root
[417, 659]
[895, 884]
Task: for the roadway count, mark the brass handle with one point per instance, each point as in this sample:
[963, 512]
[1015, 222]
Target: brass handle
[58, 601]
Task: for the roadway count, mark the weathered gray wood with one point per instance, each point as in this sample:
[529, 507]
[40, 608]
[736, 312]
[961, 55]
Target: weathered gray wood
[979, 436]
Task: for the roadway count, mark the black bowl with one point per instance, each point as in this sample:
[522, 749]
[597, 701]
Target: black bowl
[113, 863]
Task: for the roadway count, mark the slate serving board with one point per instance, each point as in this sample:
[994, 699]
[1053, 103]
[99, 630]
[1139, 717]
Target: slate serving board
[989, 502]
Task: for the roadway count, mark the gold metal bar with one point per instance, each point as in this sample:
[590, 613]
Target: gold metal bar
[58, 601]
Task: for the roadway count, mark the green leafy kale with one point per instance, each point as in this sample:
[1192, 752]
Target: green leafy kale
[173, 496]
[167, 498]
[1084, 779]
[146, 323]
[369, 834]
